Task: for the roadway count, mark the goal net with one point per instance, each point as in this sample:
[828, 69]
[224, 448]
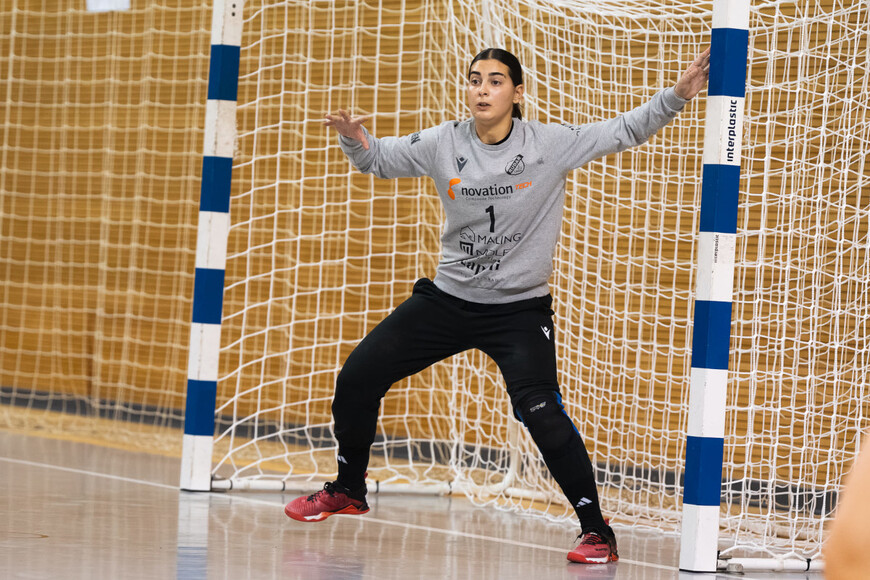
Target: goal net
[99, 179]
[320, 254]
[101, 120]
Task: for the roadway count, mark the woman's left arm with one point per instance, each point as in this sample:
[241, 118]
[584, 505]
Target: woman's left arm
[583, 143]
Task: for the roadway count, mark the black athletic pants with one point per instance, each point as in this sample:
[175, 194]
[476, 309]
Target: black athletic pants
[433, 325]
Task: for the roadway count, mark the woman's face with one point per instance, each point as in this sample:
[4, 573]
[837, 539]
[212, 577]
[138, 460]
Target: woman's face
[491, 93]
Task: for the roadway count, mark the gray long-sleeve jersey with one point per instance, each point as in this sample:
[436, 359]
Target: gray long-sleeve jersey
[504, 202]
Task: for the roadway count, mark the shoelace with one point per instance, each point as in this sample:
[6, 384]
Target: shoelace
[328, 487]
[591, 538]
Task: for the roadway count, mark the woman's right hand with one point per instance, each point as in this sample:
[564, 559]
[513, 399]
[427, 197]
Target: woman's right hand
[350, 127]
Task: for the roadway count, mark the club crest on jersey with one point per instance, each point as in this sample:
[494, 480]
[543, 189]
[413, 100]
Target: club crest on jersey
[516, 166]
[460, 163]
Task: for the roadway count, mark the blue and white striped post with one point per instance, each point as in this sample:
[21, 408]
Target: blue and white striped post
[723, 136]
[211, 244]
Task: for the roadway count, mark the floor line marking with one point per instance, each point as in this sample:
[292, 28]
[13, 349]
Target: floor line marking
[462, 534]
[368, 519]
[86, 472]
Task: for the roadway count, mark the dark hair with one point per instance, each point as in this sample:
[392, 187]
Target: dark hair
[515, 70]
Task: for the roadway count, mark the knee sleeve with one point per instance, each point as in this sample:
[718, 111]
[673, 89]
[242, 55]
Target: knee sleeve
[543, 415]
[563, 451]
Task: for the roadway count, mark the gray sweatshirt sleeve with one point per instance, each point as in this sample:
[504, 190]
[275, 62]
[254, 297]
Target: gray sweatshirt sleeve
[408, 156]
[580, 144]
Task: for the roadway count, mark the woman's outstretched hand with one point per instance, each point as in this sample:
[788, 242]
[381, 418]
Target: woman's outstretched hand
[695, 77]
[350, 127]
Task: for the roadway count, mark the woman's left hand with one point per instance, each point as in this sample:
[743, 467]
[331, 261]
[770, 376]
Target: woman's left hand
[695, 77]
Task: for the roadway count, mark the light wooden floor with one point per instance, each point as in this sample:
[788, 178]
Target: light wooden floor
[74, 510]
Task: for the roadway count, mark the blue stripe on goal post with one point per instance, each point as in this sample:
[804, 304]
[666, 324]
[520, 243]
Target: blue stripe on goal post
[703, 482]
[208, 296]
[711, 335]
[199, 409]
[213, 230]
[730, 48]
[223, 73]
[214, 194]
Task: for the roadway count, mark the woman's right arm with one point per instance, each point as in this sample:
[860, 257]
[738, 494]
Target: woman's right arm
[388, 157]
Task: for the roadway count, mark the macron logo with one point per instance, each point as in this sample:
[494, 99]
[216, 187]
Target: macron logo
[341, 459]
[460, 163]
[546, 332]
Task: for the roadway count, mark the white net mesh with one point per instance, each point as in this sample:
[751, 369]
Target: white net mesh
[801, 340]
[100, 156]
[323, 254]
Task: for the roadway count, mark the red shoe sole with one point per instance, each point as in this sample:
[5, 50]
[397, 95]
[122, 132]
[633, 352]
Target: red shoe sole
[349, 510]
[584, 560]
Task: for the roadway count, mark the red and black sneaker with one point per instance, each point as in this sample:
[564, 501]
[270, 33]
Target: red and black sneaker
[333, 499]
[597, 546]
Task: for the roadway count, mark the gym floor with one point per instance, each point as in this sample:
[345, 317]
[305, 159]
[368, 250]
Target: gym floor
[75, 510]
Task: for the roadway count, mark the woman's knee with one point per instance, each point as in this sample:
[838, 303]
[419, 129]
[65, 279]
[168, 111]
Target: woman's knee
[544, 416]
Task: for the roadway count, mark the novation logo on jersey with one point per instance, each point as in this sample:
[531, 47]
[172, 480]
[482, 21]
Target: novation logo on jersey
[450, 192]
[489, 192]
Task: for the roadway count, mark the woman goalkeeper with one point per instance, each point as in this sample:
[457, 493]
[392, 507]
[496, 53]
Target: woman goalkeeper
[502, 183]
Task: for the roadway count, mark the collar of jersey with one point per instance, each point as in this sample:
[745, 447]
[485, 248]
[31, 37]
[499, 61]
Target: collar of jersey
[499, 146]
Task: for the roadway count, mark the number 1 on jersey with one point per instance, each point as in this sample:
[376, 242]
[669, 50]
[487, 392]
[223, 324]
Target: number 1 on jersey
[491, 211]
